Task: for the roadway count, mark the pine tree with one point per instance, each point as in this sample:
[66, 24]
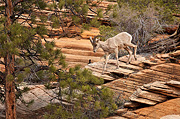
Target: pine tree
[21, 48]
[25, 57]
[85, 100]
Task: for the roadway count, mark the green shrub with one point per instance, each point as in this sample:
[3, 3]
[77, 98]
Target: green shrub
[86, 26]
[78, 88]
[94, 22]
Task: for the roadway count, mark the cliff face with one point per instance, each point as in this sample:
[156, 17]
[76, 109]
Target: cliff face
[150, 81]
[166, 110]
[78, 50]
[146, 69]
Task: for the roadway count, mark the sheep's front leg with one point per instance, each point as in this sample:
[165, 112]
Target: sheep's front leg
[116, 53]
[106, 60]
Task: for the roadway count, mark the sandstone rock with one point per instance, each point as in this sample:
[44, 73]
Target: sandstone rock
[161, 61]
[149, 63]
[40, 97]
[137, 62]
[160, 87]
[130, 115]
[152, 59]
[142, 100]
[121, 111]
[2, 116]
[92, 32]
[150, 96]
[156, 92]
[124, 65]
[173, 83]
[164, 55]
[115, 117]
[170, 107]
[131, 104]
[171, 117]
[175, 54]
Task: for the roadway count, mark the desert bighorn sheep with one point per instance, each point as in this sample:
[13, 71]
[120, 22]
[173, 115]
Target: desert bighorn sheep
[113, 45]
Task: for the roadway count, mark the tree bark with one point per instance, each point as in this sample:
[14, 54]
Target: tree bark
[9, 70]
[10, 88]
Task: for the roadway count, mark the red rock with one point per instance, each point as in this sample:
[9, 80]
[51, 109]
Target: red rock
[175, 54]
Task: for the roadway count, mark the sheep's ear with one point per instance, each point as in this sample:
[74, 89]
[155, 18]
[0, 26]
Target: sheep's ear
[91, 40]
[97, 39]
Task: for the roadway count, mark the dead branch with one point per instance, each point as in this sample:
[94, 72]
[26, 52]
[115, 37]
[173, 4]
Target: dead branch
[165, 45]
[176, 15]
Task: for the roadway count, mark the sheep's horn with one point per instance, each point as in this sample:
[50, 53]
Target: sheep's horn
[91, 40]
[94, 39]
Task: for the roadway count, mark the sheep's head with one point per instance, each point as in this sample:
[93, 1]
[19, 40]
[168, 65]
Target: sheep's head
[95, 43]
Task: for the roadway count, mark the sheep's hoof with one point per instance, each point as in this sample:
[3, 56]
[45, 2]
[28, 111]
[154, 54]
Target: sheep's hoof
[135, 58]
[117, 67]
[127, 63]
[102, 73]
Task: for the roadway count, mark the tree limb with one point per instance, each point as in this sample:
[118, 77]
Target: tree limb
[1, 62]
[92, 10]
[17, 69]
[16, 2]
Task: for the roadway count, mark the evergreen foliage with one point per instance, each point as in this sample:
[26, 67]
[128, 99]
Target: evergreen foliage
[77, 10]
[85, 100]
[142, 19]
[168, 6]
[25, 44]
[38, 61]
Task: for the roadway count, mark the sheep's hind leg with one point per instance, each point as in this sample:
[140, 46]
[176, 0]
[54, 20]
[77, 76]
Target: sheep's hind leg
[130, 54]
[135, 49]
[116, 52]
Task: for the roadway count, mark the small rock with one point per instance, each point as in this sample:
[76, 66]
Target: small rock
[161, 61]
[175, 54]
[171, 117]
[164, 55]
[115, 117]
[142, 100]
[131, 104]
[158, 56]
[174, 83]
[121, 111]
[100, 87]
[152, 59]
[2, 116]
[130, 115]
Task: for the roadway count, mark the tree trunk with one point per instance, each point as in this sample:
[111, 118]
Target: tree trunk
[9, 70]
[10, 88]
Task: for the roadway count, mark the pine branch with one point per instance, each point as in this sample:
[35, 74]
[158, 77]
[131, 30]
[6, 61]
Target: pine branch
[39, 68]
[18, 69]
[2, 76]
[18, 15]
[1, 62]
[17, 1]
[92, 11]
